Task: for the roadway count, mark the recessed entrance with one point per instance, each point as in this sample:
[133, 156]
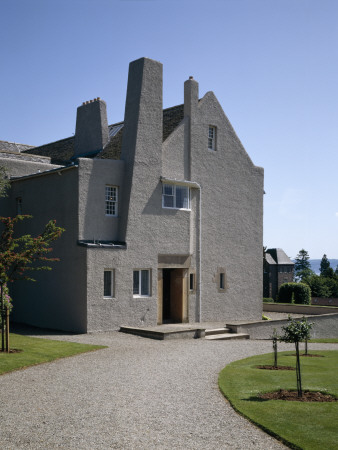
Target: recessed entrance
[172, 290]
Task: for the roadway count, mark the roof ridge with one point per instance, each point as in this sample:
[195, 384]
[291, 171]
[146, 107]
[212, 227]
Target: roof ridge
[52, 143]
[17, 143]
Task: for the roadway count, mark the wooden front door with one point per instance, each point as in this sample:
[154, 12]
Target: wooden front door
[174, 295]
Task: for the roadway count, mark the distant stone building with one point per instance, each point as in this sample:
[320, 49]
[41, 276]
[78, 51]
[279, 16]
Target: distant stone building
[277, 269]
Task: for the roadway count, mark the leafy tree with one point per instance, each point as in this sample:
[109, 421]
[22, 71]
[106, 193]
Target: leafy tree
[325, 287]
[302, 265]
[324, 266]
[20, 255]
[297, 331]
[336, 271]
[4, 182]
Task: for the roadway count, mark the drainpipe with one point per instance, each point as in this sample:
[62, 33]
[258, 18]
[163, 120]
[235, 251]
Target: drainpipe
[199, 256]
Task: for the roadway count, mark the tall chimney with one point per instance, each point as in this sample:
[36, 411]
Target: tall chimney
[190, 114]
[91, 127]
[142, 137]
[190, 97]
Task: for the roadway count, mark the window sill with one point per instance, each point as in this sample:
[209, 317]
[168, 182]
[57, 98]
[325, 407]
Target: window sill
[176, 209]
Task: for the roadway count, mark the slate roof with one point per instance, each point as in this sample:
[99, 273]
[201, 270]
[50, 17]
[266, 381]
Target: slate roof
[277, 256]
[61, 152]
[14, 147]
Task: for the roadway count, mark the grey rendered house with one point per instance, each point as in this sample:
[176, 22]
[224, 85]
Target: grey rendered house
[163, 215]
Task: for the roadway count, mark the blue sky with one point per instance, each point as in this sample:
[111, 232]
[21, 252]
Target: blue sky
[273, 65]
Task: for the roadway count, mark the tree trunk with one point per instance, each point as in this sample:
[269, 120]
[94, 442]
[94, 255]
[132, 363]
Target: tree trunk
[299, 379]
[275, 351]
[7, 329]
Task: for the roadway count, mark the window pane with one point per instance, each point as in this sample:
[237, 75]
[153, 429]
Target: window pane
[168, 189]
[136, 282]
[168, 196]
[182, 197]
[144, 282]
[168, 202]
[107, 283]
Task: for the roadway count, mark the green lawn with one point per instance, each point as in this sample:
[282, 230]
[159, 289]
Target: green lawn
[301, 425]
[37, 351]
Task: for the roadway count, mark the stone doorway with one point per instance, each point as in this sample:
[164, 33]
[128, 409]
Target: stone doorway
[173, 295]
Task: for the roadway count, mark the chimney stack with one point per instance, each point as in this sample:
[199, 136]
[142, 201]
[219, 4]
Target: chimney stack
[91, 132]
[190, 97]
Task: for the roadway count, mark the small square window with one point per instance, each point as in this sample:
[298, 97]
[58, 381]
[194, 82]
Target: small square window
[108, 283]
[141, 283]
[212, 138]
[175, 196]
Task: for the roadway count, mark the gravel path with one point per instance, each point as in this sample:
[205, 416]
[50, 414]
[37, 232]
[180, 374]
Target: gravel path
[136, 394]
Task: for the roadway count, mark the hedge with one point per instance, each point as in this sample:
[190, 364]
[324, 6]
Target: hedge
[299, 293]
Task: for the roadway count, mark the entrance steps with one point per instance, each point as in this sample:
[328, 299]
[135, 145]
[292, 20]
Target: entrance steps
[223, 333]
[209, 331]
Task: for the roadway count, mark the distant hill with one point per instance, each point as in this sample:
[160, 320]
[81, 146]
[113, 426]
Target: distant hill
[315, 264]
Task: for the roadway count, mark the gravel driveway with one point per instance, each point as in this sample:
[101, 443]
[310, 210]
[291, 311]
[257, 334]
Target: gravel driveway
[136, 394]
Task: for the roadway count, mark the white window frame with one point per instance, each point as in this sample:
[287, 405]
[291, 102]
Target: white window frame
[212, 138]
[111, 200]
[174, 188]
[111, 283]
[142, 291]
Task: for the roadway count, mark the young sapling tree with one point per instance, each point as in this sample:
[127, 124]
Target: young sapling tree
[297, 331]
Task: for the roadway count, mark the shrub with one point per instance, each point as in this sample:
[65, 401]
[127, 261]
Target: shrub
[285, 294]
[302, 294]
[268, 300]
[299, 293]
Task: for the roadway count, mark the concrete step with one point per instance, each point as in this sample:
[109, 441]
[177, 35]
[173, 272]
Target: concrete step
[213, 331]
[224, 336]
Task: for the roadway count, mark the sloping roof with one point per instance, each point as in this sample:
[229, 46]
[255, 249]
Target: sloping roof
[62, 151]
[278, 256]
[14, 147]
[269, 259]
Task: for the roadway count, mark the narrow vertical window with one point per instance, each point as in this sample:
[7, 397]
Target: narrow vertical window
[222, 280]
[141, 283]
[18, 205]
[108, 283]
[111, 200]
[192, 282]
[212, 138]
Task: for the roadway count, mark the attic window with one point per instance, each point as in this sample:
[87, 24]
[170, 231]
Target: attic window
[212, 138]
